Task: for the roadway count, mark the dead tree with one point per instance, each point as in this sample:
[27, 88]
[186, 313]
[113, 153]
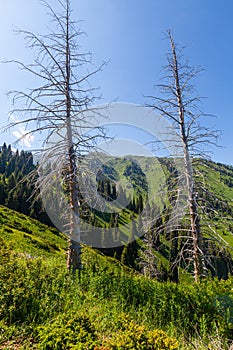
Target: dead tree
[177, 101]
[61, 105]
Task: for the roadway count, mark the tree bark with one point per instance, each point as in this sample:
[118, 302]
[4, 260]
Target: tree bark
[74, 249]
[195, 227]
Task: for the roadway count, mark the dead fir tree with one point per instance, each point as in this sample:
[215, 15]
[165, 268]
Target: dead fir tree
[178, 102]
[61, 105]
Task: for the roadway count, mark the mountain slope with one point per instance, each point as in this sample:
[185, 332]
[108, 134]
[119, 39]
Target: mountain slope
[155, 181]
[25, 235]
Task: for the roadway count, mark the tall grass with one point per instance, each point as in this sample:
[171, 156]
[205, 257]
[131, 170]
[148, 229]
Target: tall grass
[36, 291]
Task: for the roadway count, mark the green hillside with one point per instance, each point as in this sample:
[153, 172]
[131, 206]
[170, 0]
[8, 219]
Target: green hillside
[106, 306]
[29, 237]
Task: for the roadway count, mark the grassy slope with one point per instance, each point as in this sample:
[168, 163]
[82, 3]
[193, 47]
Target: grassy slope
[27, 236]
[217, 178]
[35, 292]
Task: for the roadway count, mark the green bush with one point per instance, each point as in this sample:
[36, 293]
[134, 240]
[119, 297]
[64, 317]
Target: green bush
[67, 332]
[133, 336]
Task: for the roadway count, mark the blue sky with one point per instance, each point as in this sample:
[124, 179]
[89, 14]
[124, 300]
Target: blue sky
[129, 33]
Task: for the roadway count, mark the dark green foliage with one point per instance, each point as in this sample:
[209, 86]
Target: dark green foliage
[136, 176]
[16, 189]
[106, 182]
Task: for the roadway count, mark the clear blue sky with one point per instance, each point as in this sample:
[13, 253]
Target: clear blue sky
[129, 33]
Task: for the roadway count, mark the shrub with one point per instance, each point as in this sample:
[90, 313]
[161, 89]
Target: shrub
[67, 332]
[136, 337]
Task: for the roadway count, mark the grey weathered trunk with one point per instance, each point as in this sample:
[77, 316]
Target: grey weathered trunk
[195, 227]
[74, 249]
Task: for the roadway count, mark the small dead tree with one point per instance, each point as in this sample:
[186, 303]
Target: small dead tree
[147, 257]
[178, 102]
[152, 227]
[60, 105]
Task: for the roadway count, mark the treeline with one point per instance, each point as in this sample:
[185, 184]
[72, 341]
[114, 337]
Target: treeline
[16, 189]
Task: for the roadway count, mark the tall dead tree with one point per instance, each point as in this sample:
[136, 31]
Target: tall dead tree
[59, 105]
[178, 102]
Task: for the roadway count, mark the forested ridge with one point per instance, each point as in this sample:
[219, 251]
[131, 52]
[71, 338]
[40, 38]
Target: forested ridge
[16, 188]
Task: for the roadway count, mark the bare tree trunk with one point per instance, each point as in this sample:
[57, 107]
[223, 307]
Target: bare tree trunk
[74, 248]
[192, 204]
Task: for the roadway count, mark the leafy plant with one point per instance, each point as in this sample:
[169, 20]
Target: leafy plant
[133, 336]
[69, 331]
